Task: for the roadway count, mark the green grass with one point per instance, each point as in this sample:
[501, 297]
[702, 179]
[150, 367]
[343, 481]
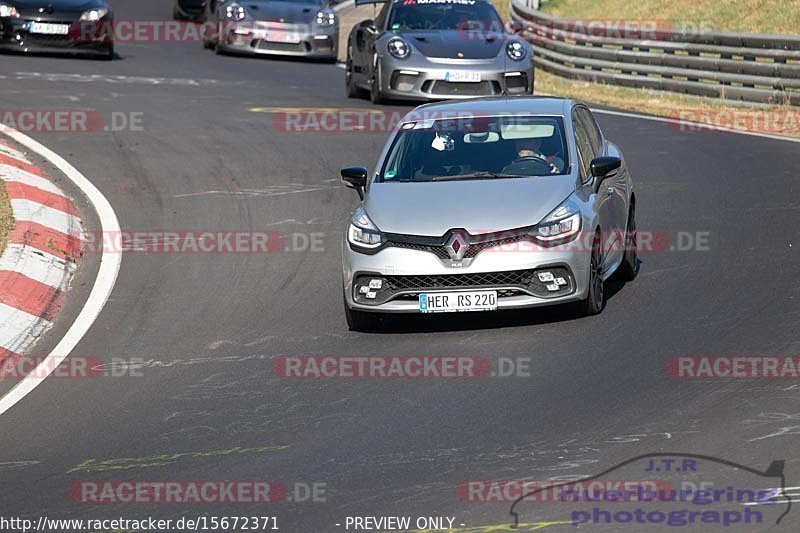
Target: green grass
[747, 16]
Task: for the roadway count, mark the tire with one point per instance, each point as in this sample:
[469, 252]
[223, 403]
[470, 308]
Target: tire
[108, 53]
[351, 90]
[375, 83]
[595, 297]
[359, 320]
[629, 268]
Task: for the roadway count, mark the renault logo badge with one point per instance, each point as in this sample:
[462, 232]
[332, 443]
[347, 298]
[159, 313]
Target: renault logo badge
[457, 246]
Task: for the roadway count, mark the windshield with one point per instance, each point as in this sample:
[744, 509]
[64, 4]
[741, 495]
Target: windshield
[477, 148]
[443, 15]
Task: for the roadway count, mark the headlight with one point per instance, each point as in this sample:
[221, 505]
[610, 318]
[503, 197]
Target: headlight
[560, 226]
[362, 232]
[235, 12]
[325, 18]
[8, 11]
[399, 48]
[516, 50]
[93, 15]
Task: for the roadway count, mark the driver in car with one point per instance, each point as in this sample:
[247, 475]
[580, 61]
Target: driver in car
[530, 158]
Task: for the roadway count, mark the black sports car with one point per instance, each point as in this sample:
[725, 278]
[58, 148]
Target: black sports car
[189, 9]
[57, 25]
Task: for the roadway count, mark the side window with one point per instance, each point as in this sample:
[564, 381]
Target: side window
[592, 130]
[582, 142]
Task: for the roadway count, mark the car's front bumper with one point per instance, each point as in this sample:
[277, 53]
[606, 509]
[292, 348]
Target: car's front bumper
[82, 37]
[426, 78]
[407, 272]
[283, 39]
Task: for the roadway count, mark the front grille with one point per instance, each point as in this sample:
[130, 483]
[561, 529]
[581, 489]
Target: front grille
[508, 283]
[446, 281]
[43, 39]
[477, 243]
[283, 47]
[461, 88]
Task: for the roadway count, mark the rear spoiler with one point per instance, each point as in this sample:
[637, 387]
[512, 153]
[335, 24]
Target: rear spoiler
[367, 2]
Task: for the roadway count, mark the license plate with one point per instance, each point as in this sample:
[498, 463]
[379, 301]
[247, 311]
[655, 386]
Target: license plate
[453, 302]
[463, 76]
[282, 36]
[50, 29]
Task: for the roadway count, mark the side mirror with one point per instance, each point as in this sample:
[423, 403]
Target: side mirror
[603, 167]
[515, 27]
[355, 178]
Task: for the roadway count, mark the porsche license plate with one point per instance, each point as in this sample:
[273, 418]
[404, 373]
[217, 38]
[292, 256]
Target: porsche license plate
[463, 76]
[283, 36]
[453, 302]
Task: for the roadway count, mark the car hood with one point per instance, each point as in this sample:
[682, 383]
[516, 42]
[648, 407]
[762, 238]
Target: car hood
[450, 43]
[481, 206]
[28, 8]
[288, 12]
[69, 5]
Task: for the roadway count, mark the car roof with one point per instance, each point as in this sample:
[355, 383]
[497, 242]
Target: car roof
[501, 105]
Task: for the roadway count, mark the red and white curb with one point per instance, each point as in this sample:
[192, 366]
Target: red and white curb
[41, 255]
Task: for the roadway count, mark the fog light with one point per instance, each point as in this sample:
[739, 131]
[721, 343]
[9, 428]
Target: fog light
[546, 276]
[561, 281]
[363, 290]
[376, 284]
[553, 287]
[372, 295]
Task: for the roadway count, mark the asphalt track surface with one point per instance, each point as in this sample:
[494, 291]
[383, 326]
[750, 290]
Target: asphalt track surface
[210, 324]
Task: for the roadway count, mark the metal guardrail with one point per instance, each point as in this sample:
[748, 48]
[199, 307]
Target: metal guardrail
[749, 67]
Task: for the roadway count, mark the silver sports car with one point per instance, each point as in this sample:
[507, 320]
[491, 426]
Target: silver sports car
[306, 28]
[436, 49]
[493, 203]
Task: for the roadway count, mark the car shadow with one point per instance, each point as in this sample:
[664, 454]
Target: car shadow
[66, 54]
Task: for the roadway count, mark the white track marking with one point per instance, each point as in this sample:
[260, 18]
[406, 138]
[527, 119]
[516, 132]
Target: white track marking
[29, 211]
[11, 152]
[103, 284]
[19, 329]
[18, 175]
[37, 265]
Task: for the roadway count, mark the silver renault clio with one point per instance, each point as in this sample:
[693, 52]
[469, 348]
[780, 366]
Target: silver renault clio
[486, 204]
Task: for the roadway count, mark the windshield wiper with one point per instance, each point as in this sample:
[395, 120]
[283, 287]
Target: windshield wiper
[478, 176]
